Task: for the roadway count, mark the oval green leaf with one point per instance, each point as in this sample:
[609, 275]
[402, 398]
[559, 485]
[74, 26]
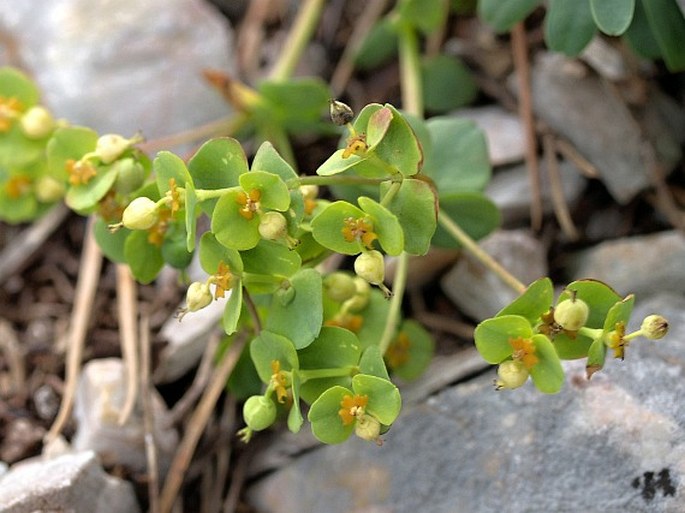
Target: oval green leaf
[492, 336]
[613, 17]
[547, 374]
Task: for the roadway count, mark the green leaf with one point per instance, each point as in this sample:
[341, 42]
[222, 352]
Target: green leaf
[15, 84]
[85, 197]
[547, 374]
[384, 403]
[375, 315]
[372, 363]
[327, 227]
[212, 253]
[447, 84]
[419, 353]
[233, 309]
[535, 301]
[336, 164]
[217, 165]
[492, 336]
[191, 216]
[271, 258]
[400, 147]
[300, 320]
[111, 244]
[268, 159]
[613, 17]
[502, 15]
[244, 380]
[174, 249]
[619, 313]
[476, 214]
[274, 191]
[268, 347]
[571, 348]
[639, 35]
[425, 15]
[378, 47]
[386, 226]
[232, 229]
[569, 26]
[17, 210]
[68, 143]
[378, 126]
[167, 166]
[458, 160]
[668, 28]
[415, 206]
[327, 425]
[295, 419]
[595, 357]
[144, 259]
[296, 104]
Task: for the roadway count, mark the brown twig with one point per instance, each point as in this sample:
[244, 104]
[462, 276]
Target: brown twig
[89, 276]
[251, 36]
[435, 38]
[239, 474]
[197, 424]
[343, 71]
[561, 209]
[520, 54]
[18, 251]
[14, 358]
[127, 310]
[445, 324]
[570, 152]
[148, 420]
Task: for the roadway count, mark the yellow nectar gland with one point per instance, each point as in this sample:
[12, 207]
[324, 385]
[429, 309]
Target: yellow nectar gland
[17, 186]
[279, 381]
[174, 196]
[524, 351]
[155, 235]
[222, 280]
[398, 351]
[356, 145]
[80, 171]
[352, 408]
[348, 321]
[249, 203]
[617, 341]
[360, 230]
[10, 108]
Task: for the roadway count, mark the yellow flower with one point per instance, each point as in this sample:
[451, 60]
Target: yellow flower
[356, 146]
[17, 186]
[155, 235]
[80, 171]
[222, 279]
[249, 203]
[360, 230]
[348, 321]
[398, 351]
[617, 341]
[524, 351]
[10, 108]
[279, 380]
[175, 196]
[352, 408]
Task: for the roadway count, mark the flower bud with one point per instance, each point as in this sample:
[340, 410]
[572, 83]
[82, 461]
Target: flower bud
[37, 122]
[49, 190]
[259, 412]
[340, 286]
[198, 296]
[140, 214]
[361, 296]
[110, 147]
[309, 191]
[370, 266]
[367, 428]
[511, 374]
[273, 226]
[341, 113]
[571, 314]
[654, 327]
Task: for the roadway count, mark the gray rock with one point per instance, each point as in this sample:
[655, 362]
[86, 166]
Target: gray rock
[479, 292]
[99, 399]
[121, 66]
[605, 59]
[510, 190]
[582, 108]
[503, 131]
[72, 483]
[613, 444]
[643, 265]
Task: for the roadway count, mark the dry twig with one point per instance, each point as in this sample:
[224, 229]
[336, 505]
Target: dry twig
[127, 308]
[561, 209]
[148, 419]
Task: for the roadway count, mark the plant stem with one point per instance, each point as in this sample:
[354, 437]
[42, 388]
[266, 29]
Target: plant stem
[399, 285]
[471, 246]
[300, 33]
[326, 373]
[334, 180]
[392, 191]
[410, 72]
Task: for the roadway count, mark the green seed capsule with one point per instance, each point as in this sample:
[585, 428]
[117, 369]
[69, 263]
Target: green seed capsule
[259, 412]
[339, 286]
[654, 327]
[140, 214]
[571, 314]
[511, 374]
[370, 266]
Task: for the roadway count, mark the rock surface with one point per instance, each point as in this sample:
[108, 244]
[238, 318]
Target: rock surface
[72, 483]
[614, 444]
[642, 265]
[479, 292]
[99, 399]
[120, 66]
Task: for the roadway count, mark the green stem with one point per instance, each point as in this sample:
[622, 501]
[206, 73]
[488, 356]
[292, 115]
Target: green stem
[327, 373]
[300, 33]
[333, 180]
[472, 247]
[205, 194]
[392, 191]
[593, 333]
[410, 71]
[399, 285]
